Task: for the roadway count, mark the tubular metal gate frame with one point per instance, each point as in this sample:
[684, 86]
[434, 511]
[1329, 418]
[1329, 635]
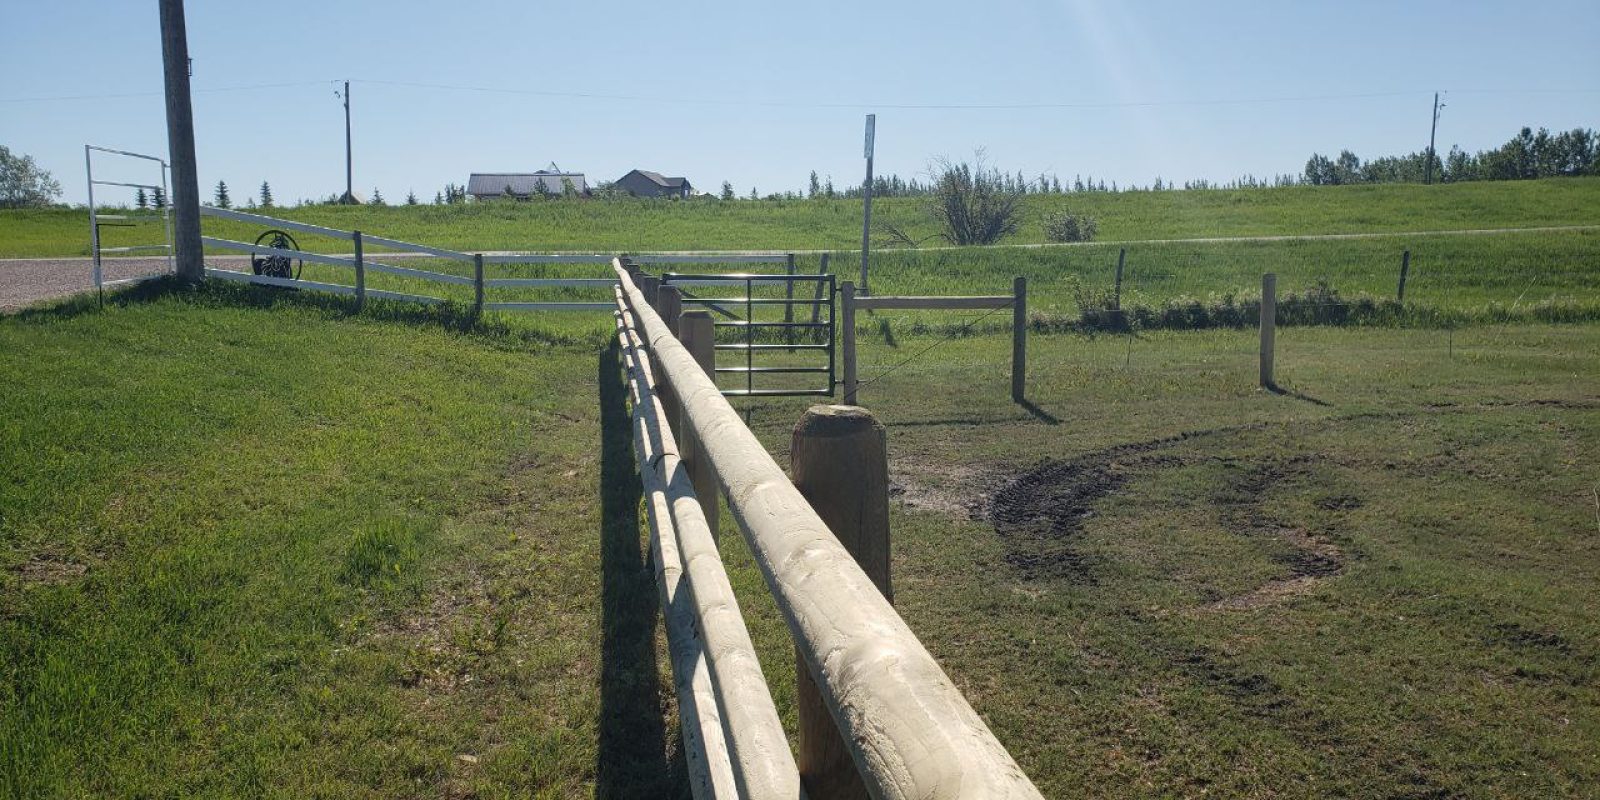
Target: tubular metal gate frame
[823, 297]
[97, 220]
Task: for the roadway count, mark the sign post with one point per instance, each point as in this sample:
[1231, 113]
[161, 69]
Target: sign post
[866, 212]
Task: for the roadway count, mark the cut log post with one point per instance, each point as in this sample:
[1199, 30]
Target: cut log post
[816, 306]
[361, 272]
[1019, 338]
[650, 284]
[669, 304]
[1269, 326]
[699, 336]
[1405, 268]
[477, 283]
[839, 462]
[847, 338]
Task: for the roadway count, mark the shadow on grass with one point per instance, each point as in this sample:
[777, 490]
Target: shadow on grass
[1284, 392]
[632, 760]
[455, 317]
[90, 302]
[1038, 413]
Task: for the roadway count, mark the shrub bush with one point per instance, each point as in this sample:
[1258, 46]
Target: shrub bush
[1064, 226]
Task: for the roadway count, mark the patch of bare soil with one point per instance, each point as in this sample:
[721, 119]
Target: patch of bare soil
[49, 569]
[958, 490]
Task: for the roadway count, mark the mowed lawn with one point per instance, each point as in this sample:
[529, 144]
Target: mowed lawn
[824, 224]
[254, 545]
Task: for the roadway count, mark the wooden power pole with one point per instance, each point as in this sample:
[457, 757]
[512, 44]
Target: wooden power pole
[349, 163]
[1432, 133]
[187, 254]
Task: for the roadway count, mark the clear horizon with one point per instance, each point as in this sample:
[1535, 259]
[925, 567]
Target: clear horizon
[758, 96]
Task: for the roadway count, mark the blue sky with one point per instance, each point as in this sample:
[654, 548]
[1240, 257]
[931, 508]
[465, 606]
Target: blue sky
[762, 93]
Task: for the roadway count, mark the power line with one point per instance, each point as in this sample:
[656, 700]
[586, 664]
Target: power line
[795, 104]
[121, 95]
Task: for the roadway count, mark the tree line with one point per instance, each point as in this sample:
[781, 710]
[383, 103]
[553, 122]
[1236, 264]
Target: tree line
[1526, 156]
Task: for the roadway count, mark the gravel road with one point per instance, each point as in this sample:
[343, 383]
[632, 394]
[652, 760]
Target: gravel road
[25, 281]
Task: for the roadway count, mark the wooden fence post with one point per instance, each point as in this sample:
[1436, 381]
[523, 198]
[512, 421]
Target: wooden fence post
[1116, 298]
[816, 306]
[1269, 326]
[847, 338]
[699, 336]
[477, 283]
[1019, 338]
[839, 462]
[788, 294]
[361, 273]
[1405, 267]
[669, 304]
[650, 284]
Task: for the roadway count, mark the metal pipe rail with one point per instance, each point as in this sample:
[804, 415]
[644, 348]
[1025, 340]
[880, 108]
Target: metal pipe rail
[907, 303]
[758, 749]
[910, 731]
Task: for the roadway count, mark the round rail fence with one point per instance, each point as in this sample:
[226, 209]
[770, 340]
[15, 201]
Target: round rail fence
[907, 731]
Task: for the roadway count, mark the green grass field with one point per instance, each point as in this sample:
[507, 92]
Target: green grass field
[255, 545]
[640, 225]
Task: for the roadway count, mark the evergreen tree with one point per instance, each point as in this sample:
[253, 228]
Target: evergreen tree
[220, 198]
[438, 198]
[140, 201]
[814, 187]
[411, 198]
[377, 197]
[158, 199]
[266, 195]
[827, 187]
[753, 194]
[727, 190]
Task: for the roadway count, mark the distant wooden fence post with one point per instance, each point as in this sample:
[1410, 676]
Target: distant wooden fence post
[1405, 267]
[816, 306]
[1116, 297]
[361, 272]
[1269, 326]
[847, 338]
[1019, 338]
[669, 304]
[477, 283]
[699, 336]
[788, 294]
[839, 461]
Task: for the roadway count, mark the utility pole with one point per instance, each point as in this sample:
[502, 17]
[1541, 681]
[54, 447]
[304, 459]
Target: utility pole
[1434, 131]
[187, 259]
[866, 212]
[349, 170]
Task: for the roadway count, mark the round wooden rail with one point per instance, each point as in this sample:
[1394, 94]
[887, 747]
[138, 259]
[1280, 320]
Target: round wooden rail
[762, 765]
[911, 733]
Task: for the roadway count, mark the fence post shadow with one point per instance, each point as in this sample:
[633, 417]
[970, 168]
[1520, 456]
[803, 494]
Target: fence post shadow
[1038, 413]
[632, 759]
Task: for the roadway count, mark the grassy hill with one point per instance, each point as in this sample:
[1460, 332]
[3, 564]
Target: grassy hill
[643, 225]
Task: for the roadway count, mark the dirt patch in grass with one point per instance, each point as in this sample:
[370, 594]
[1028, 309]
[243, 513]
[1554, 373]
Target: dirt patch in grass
[958, 490]
[1311, 559]
[49, 569]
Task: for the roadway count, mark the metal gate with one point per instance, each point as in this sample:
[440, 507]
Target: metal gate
[767, 345]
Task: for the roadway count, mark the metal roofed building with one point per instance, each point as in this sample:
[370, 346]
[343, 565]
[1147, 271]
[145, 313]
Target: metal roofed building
[522, 185]
[644, 183]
